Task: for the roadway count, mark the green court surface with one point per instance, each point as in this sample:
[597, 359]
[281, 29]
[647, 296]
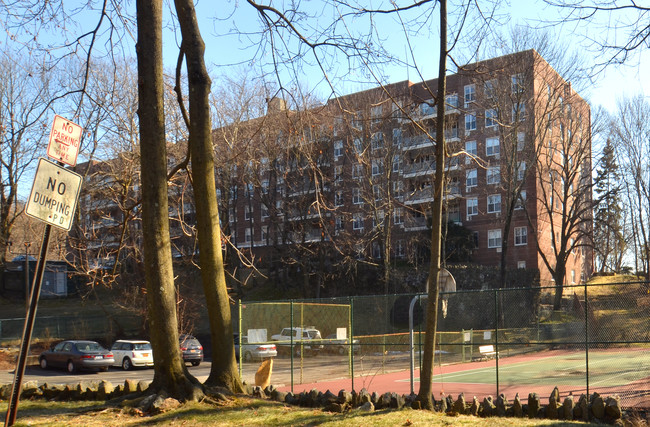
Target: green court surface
[607, 368]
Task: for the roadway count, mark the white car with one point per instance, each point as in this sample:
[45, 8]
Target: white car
[130, 353]
[307, 339]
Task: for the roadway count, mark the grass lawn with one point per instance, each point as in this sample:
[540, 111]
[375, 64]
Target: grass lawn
[245, 411]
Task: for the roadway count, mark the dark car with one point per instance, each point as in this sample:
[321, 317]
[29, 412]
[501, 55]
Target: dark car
[191, 348]
[77, 354]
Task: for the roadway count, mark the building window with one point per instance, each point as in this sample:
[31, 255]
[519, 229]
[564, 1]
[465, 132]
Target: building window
[339, 223]
[470, 94]
[377, 140]
[476, 239]
[490, 118]
[521, 264]
[470, 149]
[519, 112]
[357, 170]
[517, 81]
[521, 200]
[397, 136]
[248, 235]
[357, 221]
[573, 276]
[397, 162]
[490, 89]
[358, 145]
[356, 196]
[248, 212]
[398, 189]
[521, 170]
[398, 216]
[471, 178]
[377, 167]
[265, 233]
[521, 140]
[427, 108]
[492, 147]
[338, 198]
[338, 149]
[494, 238]
[265, 211]
[470, 122]
[375, 113]
[376, 191]
[399, 249]
[521, 236]
[493, 175]
[451, 101]
[494, 203]
[376, 250]
[338, 173]
[472, 206]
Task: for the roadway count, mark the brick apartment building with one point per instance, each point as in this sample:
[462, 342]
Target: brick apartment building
[353, 179]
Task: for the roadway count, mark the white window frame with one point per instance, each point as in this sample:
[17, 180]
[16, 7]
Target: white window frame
[338, 173]
[356, 196]
[490, 118]
[377, 167]
[494, 238]
[398, 216]
[517, 83]
[471, 178]
[248, 212]
[490, 88]
[338, 149]
[494, 203]
[493, 175]
[397, 136]
[521, 236]
[521, 140]
[492, 146]
[469, 94]
[377, 140]
[470, 122]
[521, 170]
[338, 198]
[471, 150]
[521, 200]
[357, 221]
[521, 264]
[472, 206]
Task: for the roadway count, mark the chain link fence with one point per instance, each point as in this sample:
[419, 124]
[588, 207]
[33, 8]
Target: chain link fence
[597, 341]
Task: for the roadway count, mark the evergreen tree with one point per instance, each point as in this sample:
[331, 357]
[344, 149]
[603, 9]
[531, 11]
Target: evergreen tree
[609, 241]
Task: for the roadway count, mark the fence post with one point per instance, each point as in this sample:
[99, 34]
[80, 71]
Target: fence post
[239, 339]
[496, 334]
[291, 343]
[587, 338]
[351, 348]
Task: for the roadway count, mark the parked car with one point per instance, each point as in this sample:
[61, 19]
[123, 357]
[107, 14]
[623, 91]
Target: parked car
[130, 353]
[191, 348]
[306, 339]
[77, 354]
[253, 351]
[340, 346]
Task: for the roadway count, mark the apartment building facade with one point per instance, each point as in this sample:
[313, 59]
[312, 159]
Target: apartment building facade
[351, 180]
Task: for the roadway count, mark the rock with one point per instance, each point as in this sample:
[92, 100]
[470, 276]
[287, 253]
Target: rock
[581, 411]
[367, 407]
[30, 389]
[517, 409]
[130, 386]
[291, 399]
[555, 396]
[533, 405]
[104, 390]
[568, 405]
[161, 405]
[396, 401]
[364, 397]
[5, 391]
[501, 405]
[473, 409]
[143, 385]
[384, 401]
[258, 392]
[329, 397]
[613, 408]
[416, 404]
[597, 406]
[458, 406]
[313, 397]
[146, 403]
[374, 398]
[487, 409]
[345, 397]
[336, 407]
[52, 391]
[278, 396]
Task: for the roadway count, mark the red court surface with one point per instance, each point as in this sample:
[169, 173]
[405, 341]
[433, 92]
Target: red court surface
[634, 394]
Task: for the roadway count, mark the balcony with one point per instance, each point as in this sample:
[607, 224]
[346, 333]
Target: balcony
[417, 141]
[416, 224]
[412, 170]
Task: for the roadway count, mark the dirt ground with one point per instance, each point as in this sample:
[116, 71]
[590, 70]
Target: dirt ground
[9, 355]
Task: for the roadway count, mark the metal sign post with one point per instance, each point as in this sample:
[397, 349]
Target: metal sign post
[53, 200]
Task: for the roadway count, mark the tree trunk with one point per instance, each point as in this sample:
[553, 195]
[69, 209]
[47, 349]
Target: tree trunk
[426, 374]
[170, 373]
[558, 276]
[223, 372]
